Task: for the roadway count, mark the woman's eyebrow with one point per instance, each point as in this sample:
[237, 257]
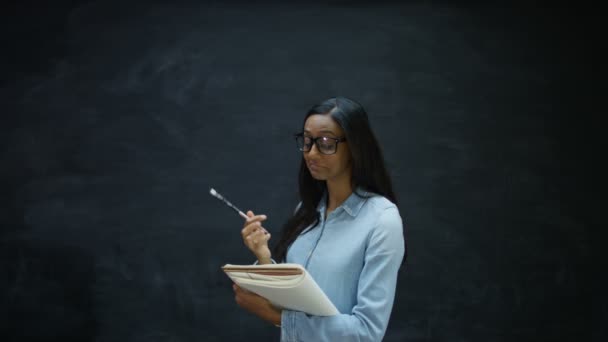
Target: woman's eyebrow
[322, 131]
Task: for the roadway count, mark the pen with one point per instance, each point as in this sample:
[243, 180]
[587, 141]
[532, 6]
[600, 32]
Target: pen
[221, 198]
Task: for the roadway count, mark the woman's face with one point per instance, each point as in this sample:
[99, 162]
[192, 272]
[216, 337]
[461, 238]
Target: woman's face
[321, 166]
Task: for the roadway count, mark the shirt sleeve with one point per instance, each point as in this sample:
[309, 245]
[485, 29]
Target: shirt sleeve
[369, 318]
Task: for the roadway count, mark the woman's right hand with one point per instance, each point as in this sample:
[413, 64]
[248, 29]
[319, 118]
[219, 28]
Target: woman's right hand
[256, 237]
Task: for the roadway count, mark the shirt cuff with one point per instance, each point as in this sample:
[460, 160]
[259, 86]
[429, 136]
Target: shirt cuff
[288, 326]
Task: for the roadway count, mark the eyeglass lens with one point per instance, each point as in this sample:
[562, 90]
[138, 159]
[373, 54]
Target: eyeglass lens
[324, 144]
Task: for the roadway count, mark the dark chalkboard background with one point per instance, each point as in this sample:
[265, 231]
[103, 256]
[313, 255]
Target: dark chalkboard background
[117, 119]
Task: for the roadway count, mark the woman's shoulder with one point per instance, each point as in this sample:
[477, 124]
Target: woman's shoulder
[378, 202]
[385, 222]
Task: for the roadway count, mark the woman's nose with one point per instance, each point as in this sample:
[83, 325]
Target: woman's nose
[313, 148]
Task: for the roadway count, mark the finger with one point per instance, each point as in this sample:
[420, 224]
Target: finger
[250, 213]
[261, 239]
[254, 218]
[256, 237]
[253, 240]
[254, 221]
[250, 228]
[260, 229]
[244, 292]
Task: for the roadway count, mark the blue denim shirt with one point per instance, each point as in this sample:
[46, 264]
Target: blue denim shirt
[354, 255]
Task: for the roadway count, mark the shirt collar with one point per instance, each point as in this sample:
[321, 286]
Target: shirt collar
[352, 205]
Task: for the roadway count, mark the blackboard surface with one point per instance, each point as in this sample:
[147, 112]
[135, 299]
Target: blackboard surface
[118, 118]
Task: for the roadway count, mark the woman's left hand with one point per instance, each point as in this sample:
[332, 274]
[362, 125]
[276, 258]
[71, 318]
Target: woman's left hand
[257, 305]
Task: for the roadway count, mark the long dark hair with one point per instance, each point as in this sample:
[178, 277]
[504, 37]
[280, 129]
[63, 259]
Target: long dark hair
[368, 170]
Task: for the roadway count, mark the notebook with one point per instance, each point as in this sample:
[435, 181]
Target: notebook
[286, 286]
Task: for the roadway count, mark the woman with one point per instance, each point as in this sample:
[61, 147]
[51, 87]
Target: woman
[346, 231]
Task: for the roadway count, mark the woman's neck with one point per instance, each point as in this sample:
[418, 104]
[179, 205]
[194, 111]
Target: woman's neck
[337, 191]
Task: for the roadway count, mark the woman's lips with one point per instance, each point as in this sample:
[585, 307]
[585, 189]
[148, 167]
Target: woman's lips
[314, 166]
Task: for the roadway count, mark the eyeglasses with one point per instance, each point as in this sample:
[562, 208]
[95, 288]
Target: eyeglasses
[325, 145]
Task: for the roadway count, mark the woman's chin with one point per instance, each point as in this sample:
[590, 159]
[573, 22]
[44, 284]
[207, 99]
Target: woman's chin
[317, 175]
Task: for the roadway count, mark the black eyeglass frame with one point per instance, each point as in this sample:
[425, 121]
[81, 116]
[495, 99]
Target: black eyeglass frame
[315, 141]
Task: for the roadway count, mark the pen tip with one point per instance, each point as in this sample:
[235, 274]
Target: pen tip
[212, 191]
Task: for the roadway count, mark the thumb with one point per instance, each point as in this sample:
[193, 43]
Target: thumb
[250, 213]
